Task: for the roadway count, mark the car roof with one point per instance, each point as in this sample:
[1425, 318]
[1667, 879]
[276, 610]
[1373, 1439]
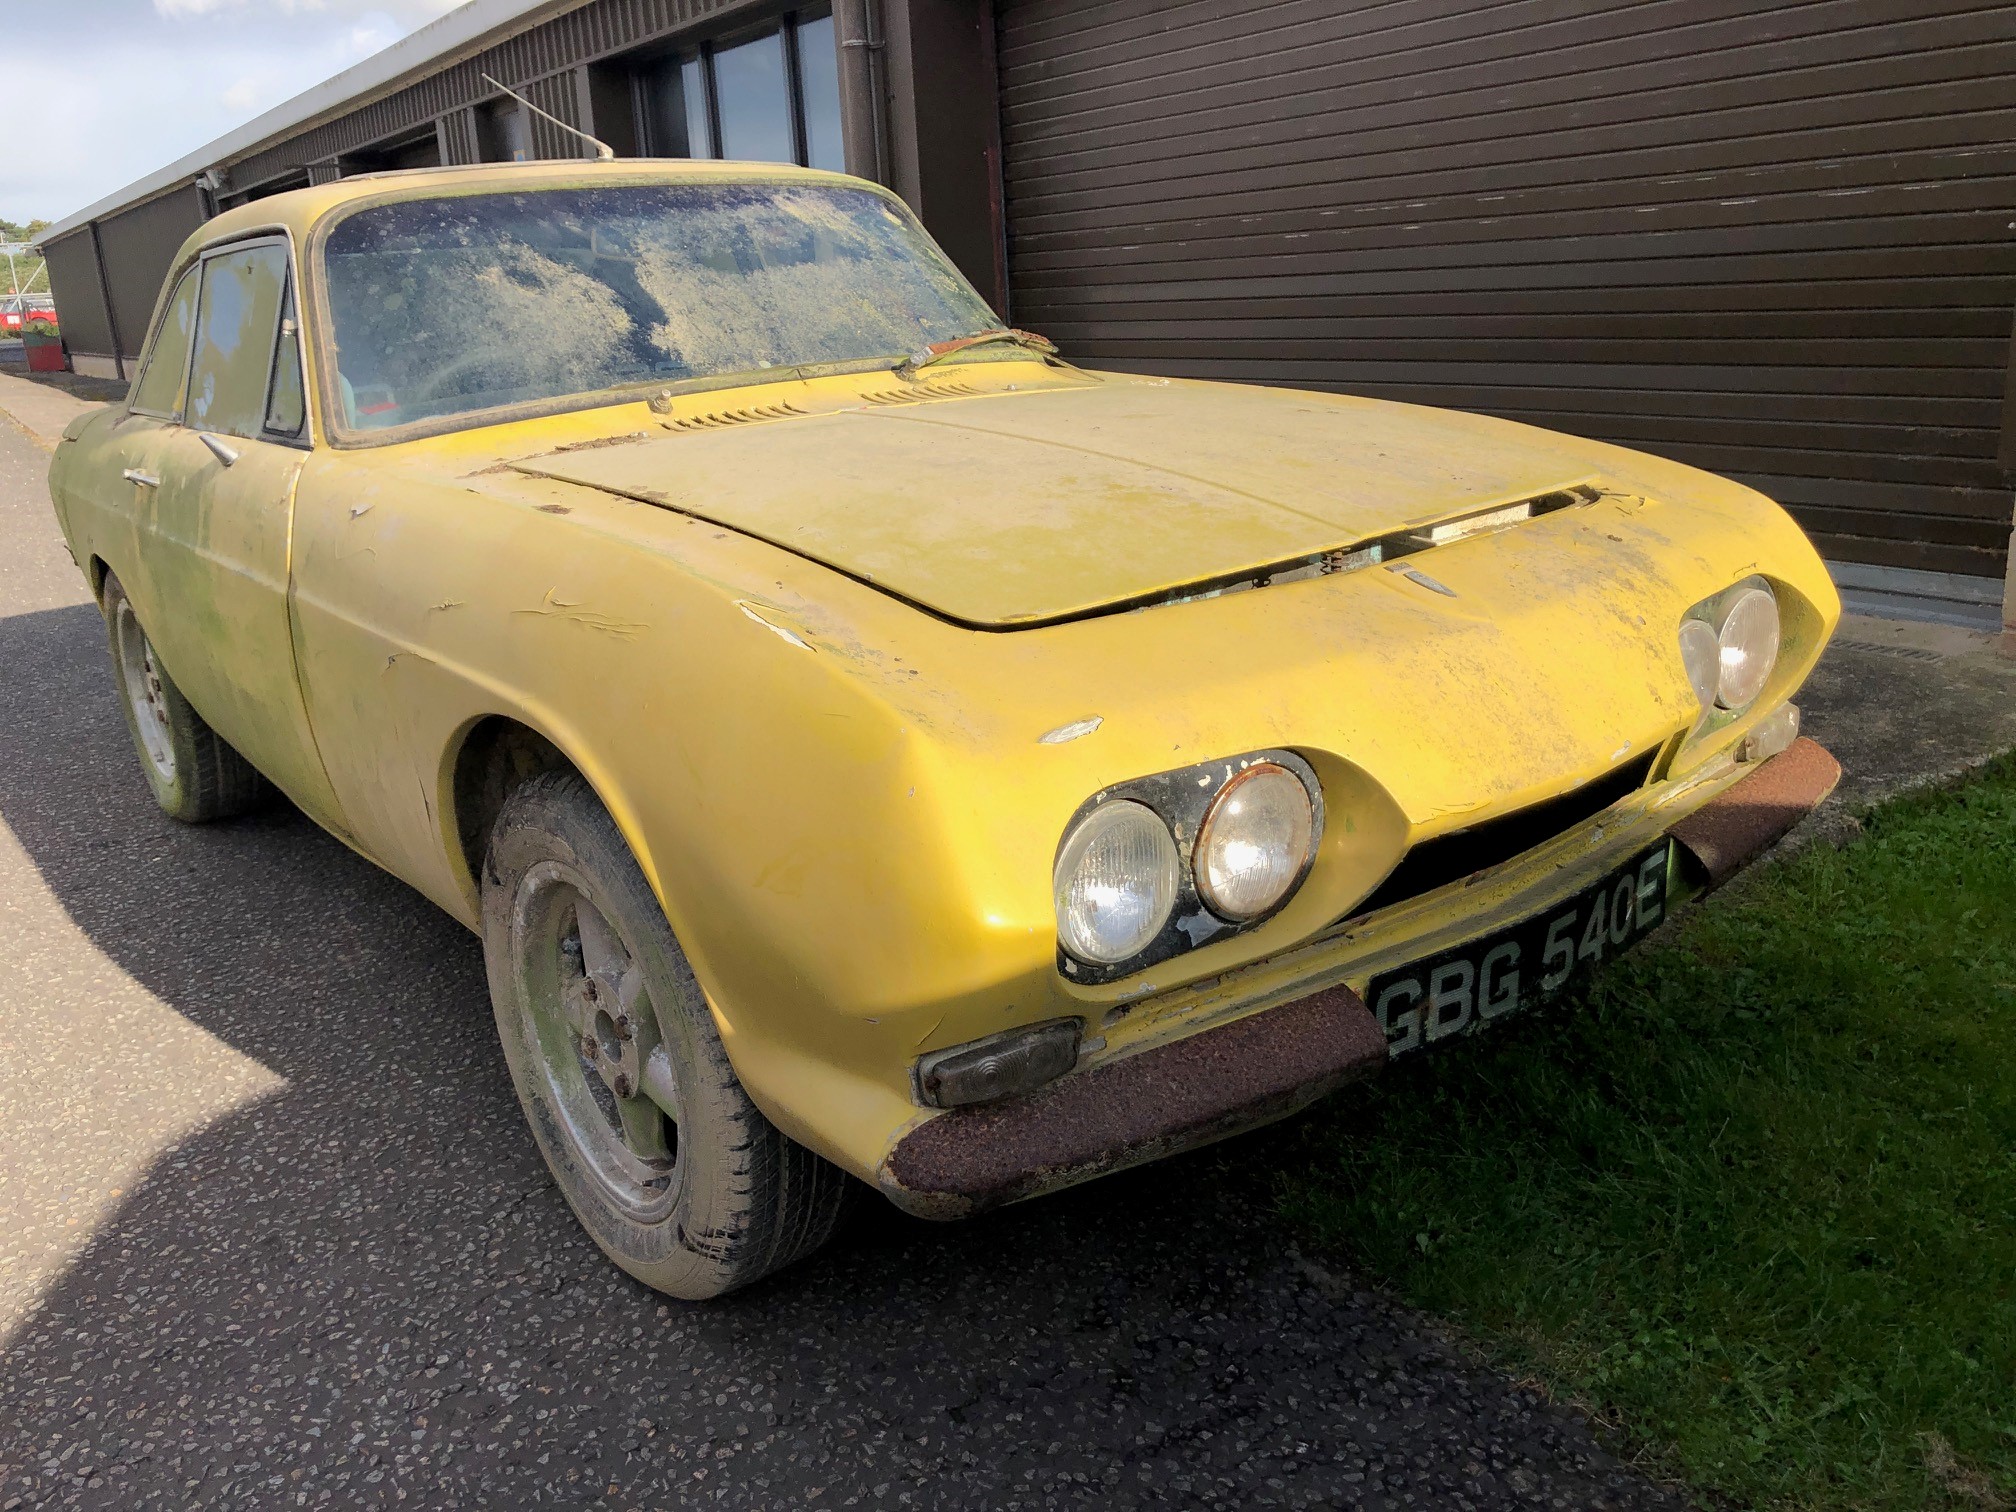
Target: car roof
[297, 210]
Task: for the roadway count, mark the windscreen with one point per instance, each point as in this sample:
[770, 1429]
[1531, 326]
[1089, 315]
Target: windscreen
[463, 303]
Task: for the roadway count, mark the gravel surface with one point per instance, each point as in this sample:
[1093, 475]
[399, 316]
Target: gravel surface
[272, 1234]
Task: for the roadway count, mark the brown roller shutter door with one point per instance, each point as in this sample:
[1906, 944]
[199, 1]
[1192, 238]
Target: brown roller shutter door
[1771, 240]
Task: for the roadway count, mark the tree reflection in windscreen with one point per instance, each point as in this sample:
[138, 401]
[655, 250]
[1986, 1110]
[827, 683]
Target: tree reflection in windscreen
[448, 305]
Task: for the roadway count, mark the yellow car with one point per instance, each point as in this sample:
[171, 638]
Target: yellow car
[870, 746]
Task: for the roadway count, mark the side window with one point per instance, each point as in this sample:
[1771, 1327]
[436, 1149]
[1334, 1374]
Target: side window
[235, 328]
[159, 388]
[285, 409]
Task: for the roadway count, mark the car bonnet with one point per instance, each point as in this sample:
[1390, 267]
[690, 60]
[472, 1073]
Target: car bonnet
[1009, 509]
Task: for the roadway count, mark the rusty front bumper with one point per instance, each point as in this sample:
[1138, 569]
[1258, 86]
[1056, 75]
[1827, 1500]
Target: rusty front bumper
[1171, 1098]
[1255, 1070]
[1744, 820]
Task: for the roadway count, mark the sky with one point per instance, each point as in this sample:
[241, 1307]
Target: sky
[102, 92]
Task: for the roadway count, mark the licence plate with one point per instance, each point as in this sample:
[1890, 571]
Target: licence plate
[1533, 960]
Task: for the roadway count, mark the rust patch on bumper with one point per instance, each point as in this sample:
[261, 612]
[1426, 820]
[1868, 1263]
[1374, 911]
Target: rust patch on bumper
[1736, 825]
[1171, 1098]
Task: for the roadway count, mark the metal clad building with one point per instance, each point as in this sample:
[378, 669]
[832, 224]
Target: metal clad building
[1774, 241]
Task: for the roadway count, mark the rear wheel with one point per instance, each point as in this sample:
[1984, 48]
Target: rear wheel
[613, 1051]
[196, 776]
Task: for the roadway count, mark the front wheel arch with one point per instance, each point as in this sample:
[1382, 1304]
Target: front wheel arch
[493, 758]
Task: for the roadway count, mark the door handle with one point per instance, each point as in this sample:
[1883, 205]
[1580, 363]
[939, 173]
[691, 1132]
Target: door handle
[145, 480]
[225, 454]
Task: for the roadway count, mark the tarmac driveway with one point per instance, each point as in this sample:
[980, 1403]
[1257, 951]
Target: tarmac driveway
[272, 1233]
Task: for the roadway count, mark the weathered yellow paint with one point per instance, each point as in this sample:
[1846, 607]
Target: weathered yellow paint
[1073, 496]
[841, 799]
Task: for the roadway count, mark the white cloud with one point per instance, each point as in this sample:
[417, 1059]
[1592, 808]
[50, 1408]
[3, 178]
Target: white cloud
[124, 87]
[372, 35]
[414, 12]
[249, 95]
[184, 10]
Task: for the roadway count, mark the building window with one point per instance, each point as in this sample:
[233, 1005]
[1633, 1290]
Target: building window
[417, 149]
[752, 94]
[819, 93]
[773, 97]
[503, 134]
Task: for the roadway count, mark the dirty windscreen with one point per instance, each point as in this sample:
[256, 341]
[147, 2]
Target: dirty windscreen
[452, 305]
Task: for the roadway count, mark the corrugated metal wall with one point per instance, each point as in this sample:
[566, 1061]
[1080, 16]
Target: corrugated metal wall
[1771, 240]
[544, 61]
[541, 56]
[73, 283]
[139, 246]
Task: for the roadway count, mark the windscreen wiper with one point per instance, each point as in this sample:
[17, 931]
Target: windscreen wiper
[938, 351]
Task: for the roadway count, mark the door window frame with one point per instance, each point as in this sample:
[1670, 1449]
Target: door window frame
[263, 237]
[170, 287]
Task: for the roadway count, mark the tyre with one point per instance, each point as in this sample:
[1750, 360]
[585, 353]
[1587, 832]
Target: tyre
[195, 775]
[613, 1051]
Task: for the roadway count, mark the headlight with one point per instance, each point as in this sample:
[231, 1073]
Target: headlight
[1729, 646]
[1749, 647]
[1701, 653]
[1115, 883]
[1254, 842]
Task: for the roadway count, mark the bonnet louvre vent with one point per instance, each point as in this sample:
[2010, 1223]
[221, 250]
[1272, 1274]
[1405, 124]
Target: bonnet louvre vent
[911, 395]
[747, 415]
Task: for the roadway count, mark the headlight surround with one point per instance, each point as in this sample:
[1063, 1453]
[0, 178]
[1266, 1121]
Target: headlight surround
[1255, 842]
[1107, 881]
[1115, 882]
[1749, 637]
[1729, 646]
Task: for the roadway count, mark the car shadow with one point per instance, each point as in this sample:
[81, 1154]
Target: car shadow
[364, 1286]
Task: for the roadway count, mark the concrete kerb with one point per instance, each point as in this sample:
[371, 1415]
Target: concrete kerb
[39, 410]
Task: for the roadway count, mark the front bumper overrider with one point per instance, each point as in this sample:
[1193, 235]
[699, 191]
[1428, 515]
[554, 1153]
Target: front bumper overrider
[1254, 1070]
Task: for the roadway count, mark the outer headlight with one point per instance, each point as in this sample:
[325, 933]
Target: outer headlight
[1749, 647]
[1116, 882]
[1254, 842]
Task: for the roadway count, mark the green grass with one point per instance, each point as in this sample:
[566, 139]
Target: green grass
[1753, 1195]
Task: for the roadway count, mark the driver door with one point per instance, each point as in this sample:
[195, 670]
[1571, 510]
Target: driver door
[221, 521]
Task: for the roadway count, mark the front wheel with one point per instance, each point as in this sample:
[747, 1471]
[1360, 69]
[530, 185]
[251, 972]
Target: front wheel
[195, 774]
[613, 1051]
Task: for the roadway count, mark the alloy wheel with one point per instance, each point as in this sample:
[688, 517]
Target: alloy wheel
[141, 674]
[608, 1077]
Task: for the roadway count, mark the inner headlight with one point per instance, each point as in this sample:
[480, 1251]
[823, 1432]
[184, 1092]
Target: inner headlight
[1116, 882]
[1254, 842]
[1749, 647]
[1729, 646]
[1701, 653]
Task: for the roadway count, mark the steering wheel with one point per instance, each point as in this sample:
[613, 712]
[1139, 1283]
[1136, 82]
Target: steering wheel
[434, 383]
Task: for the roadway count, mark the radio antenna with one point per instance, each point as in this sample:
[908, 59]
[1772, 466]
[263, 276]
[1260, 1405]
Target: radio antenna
[603, 151]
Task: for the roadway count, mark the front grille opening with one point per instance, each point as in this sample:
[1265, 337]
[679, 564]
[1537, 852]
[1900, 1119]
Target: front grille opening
[1450, 858]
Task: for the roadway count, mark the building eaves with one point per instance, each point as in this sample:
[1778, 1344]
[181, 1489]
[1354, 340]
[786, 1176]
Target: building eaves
[462, 33]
